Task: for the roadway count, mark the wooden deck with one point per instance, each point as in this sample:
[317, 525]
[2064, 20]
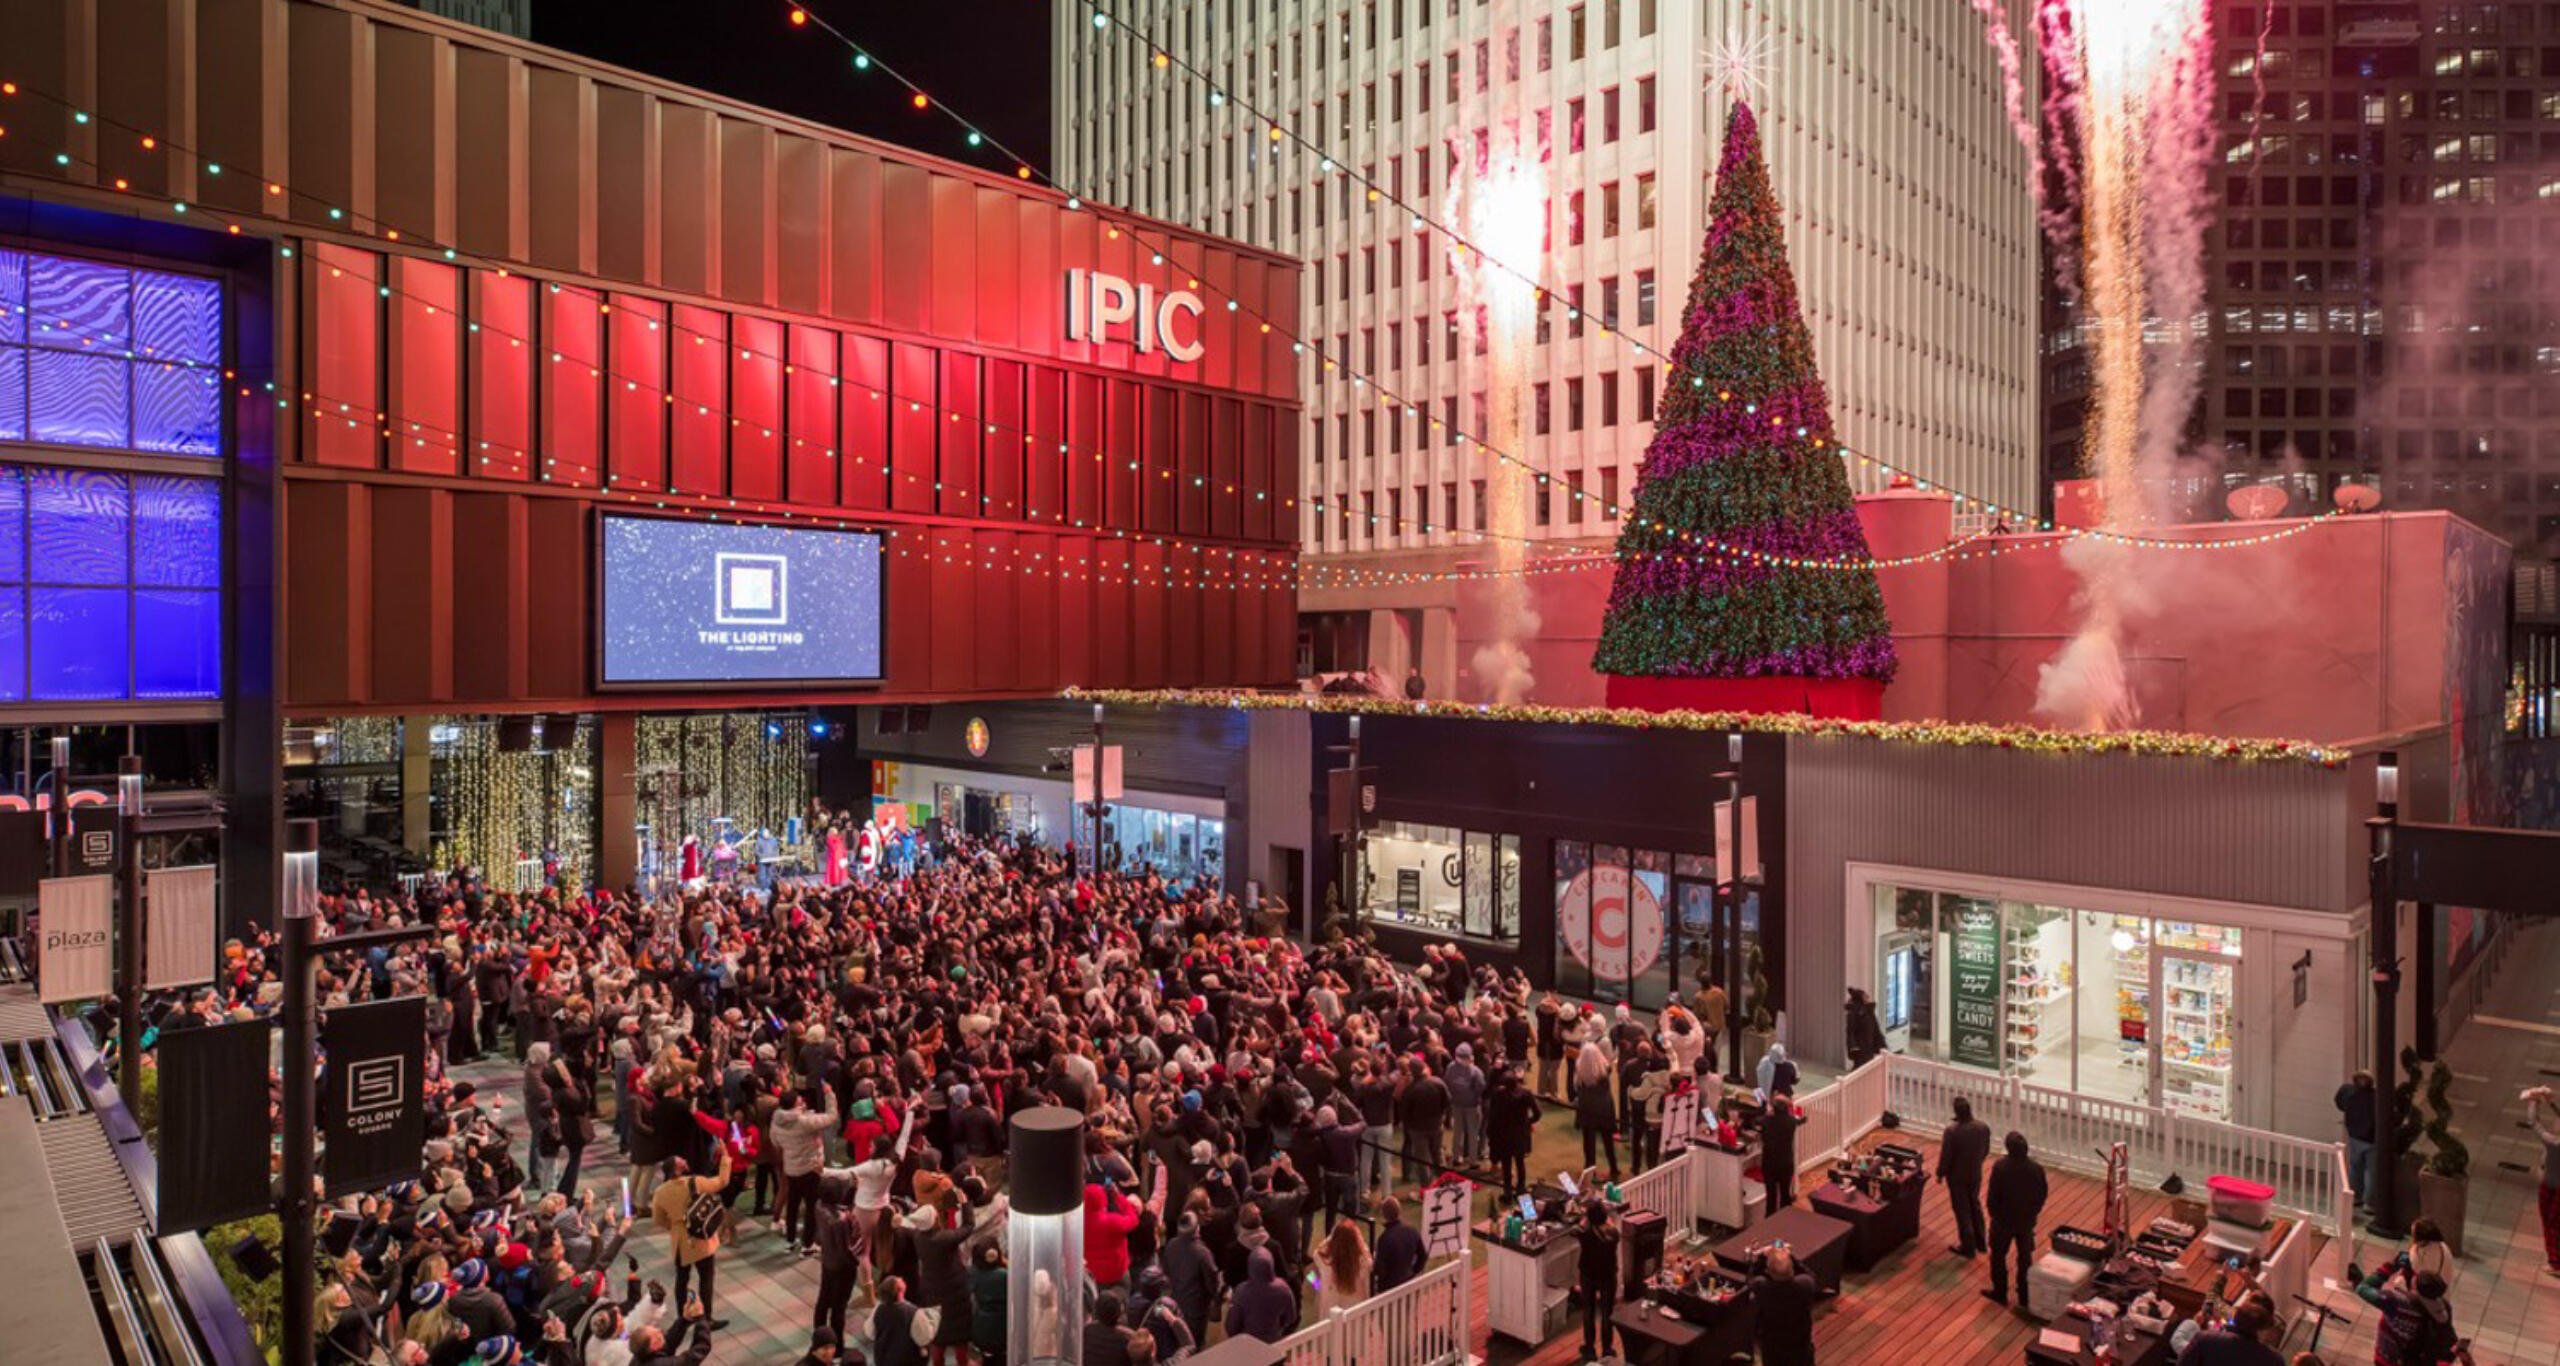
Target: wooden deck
[1922, 1306]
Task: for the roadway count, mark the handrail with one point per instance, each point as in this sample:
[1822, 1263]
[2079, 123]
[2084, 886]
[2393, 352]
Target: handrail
[170, 1315]
[119, 1304]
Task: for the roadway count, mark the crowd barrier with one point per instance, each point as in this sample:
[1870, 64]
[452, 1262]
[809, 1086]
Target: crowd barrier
[1423, 1322]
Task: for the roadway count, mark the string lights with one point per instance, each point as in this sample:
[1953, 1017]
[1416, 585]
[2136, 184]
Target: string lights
[2028, 739]
[358, 415]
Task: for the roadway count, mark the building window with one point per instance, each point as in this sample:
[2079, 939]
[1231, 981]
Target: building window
[1609, 301]
[1445, 881]
[110, 586]
[1545, 501]
[1608, 208]
[1573, 33]
[93, 354]
[1645, 206]
[1573, 498]
[1609, 114]
[1644, 97]
[1645, 18]
[1546, 42]
[1541, 402]
[1644, 293]
[1573, 124]
[1609, 493]
[1449, 506]
[1573, 218]
[2123, 1007]
[1644, 394]
[1573, 404]
[1478, 494]
[1609, 22]
[1609, 398]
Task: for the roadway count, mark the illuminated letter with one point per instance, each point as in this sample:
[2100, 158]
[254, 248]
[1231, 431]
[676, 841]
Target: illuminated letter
[1180, 301]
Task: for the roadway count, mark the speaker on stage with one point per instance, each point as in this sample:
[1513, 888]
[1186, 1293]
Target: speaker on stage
[559, 729]
[919, 720]
[891, 720]
[515, 734]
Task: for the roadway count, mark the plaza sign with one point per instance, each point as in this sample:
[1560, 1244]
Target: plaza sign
[1105, 308]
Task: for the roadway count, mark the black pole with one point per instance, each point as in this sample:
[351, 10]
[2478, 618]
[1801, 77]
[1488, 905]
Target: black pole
[295, 1207]
[1099, 811]
[129, 943]
[61, 822]
[2383, 1188]
[2422, 1031]
[1736, 966]
[1355, 900]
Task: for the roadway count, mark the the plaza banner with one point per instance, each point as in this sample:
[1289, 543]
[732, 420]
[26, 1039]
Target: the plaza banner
[181, 942]
[213, 1142]
[373, 1110]
[1976, 1037]
[75, 952]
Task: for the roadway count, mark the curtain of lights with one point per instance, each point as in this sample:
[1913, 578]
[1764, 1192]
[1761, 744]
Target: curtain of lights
[518, 815]
[705, 774]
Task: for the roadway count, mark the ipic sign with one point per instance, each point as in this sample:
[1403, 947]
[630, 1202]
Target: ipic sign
[1105, 308]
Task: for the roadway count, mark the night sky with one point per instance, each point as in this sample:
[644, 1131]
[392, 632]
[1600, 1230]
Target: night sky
[987, 59]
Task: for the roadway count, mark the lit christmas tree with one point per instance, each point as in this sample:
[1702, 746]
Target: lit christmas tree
[1743, 475]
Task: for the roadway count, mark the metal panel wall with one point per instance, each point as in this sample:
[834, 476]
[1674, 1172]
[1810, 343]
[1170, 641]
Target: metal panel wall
[2269, 834]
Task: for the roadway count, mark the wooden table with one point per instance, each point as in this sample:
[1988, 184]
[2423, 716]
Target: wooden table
[2146, 1349]
[1669, 1341]
[1877, 1227]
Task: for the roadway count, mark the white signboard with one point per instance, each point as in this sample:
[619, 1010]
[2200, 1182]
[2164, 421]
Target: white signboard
[1679, 1119]
[180, 944]
[1444, 1218]
[76, 952]
[1750, 852]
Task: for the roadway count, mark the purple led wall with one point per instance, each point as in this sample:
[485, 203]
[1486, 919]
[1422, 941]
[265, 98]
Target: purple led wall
[102, 355]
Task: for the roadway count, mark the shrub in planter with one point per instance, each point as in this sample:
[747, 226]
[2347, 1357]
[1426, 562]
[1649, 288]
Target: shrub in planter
[2444, 1182]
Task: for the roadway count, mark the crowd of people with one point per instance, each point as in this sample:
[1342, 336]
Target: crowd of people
[843, 1061]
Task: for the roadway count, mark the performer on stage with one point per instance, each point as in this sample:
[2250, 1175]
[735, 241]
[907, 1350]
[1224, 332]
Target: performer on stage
[689, 860]
[837, 873]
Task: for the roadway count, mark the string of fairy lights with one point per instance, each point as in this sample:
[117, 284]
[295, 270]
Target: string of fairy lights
[361, 415]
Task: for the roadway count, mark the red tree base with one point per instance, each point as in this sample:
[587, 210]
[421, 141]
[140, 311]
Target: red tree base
[1844, 699]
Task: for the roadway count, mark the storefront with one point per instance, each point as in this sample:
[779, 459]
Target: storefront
[1180, 836]
[1582, 855]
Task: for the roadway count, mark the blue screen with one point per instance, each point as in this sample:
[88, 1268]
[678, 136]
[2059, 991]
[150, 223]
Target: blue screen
[109, 585]
[719, 602]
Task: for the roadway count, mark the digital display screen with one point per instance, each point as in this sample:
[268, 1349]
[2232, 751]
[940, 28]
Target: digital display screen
[704, 604]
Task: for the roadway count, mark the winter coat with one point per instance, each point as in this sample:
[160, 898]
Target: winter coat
[1264, 1306]
[801, 1137]
[1108, 1222]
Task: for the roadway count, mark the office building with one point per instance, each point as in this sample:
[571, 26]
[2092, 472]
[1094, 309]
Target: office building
[1908, 218]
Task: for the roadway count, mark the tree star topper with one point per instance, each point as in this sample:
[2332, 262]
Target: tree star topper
[1736, 61]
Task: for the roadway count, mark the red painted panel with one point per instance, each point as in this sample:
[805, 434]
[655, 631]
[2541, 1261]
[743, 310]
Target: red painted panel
[1114, 614]
[1215, 271]
[412, 607]
[1000, 295]
[636, 415]
[1044, 475]
[1149, 625]
[1007, 443]
[573, 386]
[501, 350]
[854, 281]
[557, 565]
[811, 459]
[1087, 461]
[755, 408]
[1160, 466]
[1121, 456]
[963, 429]
[425, 350]
[914, 426]
[1182, 606]
[328, 560]
[1286, 430]
[1191, 491]
[1037, 644]
[1076, 627]
[489, 573]
[954, 260]
[1261, 505]
[1001, 574]
[906, 244]
[342, 328]
[1280, 620]
[910, 610]
[698, 419]
[954, 599]
[1079, 238]
[1043, 284]
[1227, 492]
[864, 454]
[1221, 595]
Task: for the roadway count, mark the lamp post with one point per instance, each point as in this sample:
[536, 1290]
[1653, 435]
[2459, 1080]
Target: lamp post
[1098, 808]
[2382, 1183]
[294, 1208]
[1044, 1236]
[129, 943]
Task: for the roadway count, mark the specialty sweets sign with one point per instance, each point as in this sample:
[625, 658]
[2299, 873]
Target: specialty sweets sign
[1976, 1040]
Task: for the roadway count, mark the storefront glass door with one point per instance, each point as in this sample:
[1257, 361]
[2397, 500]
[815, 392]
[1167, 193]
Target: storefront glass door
[2192, 1050]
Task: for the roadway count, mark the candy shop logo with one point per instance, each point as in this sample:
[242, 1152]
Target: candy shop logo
[1105, 308]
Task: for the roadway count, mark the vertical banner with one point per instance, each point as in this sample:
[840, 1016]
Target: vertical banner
[1444, 1218]
[373, 1111]
[1975, 1041]
[213, 1142]
[94, 827]
[76, 950]
[24, 860]
[180, 944]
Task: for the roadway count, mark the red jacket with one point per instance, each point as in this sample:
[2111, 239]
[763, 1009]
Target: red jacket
[860, 1134]
[1108, 1222]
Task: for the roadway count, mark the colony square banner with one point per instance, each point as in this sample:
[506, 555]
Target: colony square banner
[694, 604]
[373, 1107]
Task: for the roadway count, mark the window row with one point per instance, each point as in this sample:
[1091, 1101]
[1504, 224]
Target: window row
[1586, 495]
[1442, 880]
[110, 356]
[110, 586]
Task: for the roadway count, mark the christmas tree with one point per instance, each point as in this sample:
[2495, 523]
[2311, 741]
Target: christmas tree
[1743, 476]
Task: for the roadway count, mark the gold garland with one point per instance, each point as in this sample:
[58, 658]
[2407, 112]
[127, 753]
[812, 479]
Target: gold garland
[2030, 739]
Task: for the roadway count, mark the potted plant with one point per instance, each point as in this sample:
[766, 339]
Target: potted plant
[2444, 1182]
[2398, 1159]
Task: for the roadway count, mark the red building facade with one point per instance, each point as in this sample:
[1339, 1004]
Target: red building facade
[512, 287]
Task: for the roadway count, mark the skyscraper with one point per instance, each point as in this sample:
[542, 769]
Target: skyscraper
[511, 17]
[1910, 226]
[2379, 307]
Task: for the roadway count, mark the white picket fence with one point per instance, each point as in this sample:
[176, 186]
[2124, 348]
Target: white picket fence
[2074, 1132]
[1422, 1322]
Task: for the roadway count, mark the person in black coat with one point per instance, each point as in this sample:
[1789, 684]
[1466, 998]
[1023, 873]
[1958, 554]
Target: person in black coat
[1866, 1033]
[1510, 1127]
[1782, 1301]
[1778, 1124]
[1596, 1280]
[1399, 1255]
[1106, 1343]
[1962, 1150]
[2017, 1201]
